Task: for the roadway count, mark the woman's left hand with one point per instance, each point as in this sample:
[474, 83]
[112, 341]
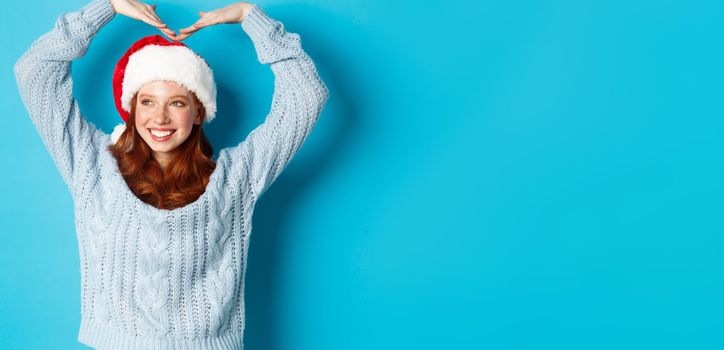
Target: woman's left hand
[234, 13]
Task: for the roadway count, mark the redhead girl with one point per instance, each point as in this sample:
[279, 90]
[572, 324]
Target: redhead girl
[162, 228]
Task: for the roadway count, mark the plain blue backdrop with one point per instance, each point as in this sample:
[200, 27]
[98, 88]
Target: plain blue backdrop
[485, 175]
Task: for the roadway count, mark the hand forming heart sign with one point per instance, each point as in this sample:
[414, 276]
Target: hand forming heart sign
[233, 13]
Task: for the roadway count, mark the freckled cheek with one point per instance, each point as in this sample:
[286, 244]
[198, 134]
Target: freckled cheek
[180, 116]
[142, 117]
[183, 118]
[140, 122]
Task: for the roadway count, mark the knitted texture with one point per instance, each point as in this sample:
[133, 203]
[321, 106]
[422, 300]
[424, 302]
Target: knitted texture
[154, 278]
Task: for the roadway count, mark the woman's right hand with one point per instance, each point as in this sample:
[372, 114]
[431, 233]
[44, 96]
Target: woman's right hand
[142, 12]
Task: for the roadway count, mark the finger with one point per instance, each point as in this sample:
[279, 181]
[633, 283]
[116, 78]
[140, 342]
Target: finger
[182, 36]
[202, 23]
[206, 18]
[194, 27]
[172, 37]
[157, 23]
[167, 31]
[152, 21]
[186, 32]
[154, 16]
[189, 30]
[149, 11]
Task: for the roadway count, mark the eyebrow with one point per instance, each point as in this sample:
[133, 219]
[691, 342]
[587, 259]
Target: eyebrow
[174, 96]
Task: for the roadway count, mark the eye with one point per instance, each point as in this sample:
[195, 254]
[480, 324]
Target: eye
[180, 103]
[144, 101]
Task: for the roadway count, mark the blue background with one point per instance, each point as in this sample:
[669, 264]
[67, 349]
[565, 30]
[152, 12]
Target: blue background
[485, 175]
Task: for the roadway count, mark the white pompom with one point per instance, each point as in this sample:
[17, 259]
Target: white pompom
[117, 131]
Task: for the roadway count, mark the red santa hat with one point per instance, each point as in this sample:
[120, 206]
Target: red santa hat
[154, 58]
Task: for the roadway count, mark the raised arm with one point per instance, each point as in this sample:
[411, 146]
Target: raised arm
[299, 96]
[44, 80]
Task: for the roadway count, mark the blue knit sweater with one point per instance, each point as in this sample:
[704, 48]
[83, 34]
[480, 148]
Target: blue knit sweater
[155, 278]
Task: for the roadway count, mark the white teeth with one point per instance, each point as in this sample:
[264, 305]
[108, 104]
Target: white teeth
[161, 133]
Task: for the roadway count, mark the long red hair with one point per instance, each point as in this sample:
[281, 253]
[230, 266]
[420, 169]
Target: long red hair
[182, 181]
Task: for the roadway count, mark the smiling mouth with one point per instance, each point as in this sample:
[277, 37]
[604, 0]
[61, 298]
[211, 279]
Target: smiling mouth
[161, 134]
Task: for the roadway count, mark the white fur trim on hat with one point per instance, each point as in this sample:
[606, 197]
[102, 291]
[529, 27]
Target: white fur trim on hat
[117, 131]
[174, 63]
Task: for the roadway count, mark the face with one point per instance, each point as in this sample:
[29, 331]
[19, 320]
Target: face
[165, 115]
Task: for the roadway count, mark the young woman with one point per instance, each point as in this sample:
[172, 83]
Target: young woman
[163, 229]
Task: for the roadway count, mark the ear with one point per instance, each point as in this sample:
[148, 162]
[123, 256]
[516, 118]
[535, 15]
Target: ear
[197, 119]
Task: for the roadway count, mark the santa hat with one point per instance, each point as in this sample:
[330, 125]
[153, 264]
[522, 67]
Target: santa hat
[154, 58]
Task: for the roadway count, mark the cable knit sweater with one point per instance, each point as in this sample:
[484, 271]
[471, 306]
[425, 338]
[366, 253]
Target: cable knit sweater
[155, 278]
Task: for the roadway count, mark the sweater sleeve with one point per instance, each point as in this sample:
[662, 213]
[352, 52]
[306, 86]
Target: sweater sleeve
[298, 98]
[43, 75]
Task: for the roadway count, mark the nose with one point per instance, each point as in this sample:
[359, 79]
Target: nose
[162, 117]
